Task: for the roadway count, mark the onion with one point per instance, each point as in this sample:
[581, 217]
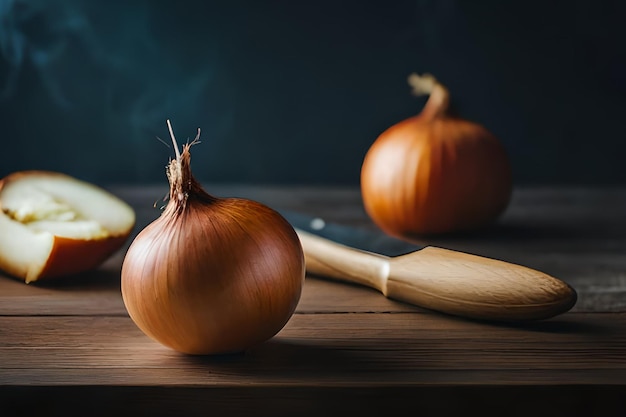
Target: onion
[211, 275]
[434, 172]
[54, 225]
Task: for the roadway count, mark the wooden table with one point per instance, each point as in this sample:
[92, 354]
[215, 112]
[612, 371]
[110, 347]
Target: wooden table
[69, 348]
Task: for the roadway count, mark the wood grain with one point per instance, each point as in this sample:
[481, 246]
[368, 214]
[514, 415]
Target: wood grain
[317, 349]
[70, 349]
[333, 364]
[98, 294]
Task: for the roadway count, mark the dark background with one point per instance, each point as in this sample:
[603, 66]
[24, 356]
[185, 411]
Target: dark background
[296, 91]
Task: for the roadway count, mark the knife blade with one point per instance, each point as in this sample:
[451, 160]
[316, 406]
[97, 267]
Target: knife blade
[435, 278]
[355, 237]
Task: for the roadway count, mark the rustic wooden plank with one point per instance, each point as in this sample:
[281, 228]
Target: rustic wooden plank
[98, 294]
[535, 213]
[577, 234]
[337, 349]
[94, 293]
[557, 231]
[220, 375]
[70, 349]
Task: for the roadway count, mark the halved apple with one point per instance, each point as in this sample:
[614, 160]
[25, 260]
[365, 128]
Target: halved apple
[52, 225]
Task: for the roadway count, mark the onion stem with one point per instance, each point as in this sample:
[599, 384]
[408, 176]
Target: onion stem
[422, 84]
[169, 126]
[439, 97]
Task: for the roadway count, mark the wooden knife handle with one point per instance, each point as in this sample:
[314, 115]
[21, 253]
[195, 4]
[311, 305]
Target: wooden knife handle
[330, 259]
[444, 280]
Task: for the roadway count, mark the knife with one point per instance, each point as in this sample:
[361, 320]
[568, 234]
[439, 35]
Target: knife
[444, 280]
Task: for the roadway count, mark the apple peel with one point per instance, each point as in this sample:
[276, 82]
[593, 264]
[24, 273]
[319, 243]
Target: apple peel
[53, 225]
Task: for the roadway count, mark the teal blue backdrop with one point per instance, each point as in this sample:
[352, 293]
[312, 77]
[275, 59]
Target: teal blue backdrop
[296, 91]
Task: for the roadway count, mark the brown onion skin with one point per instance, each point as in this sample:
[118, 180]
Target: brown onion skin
[434, 173]
[212, 275]
[251, 269]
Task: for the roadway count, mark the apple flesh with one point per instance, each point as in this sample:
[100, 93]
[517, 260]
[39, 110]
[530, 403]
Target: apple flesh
[55, 225]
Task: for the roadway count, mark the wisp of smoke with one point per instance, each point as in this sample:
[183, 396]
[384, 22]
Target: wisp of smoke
[83, 51]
